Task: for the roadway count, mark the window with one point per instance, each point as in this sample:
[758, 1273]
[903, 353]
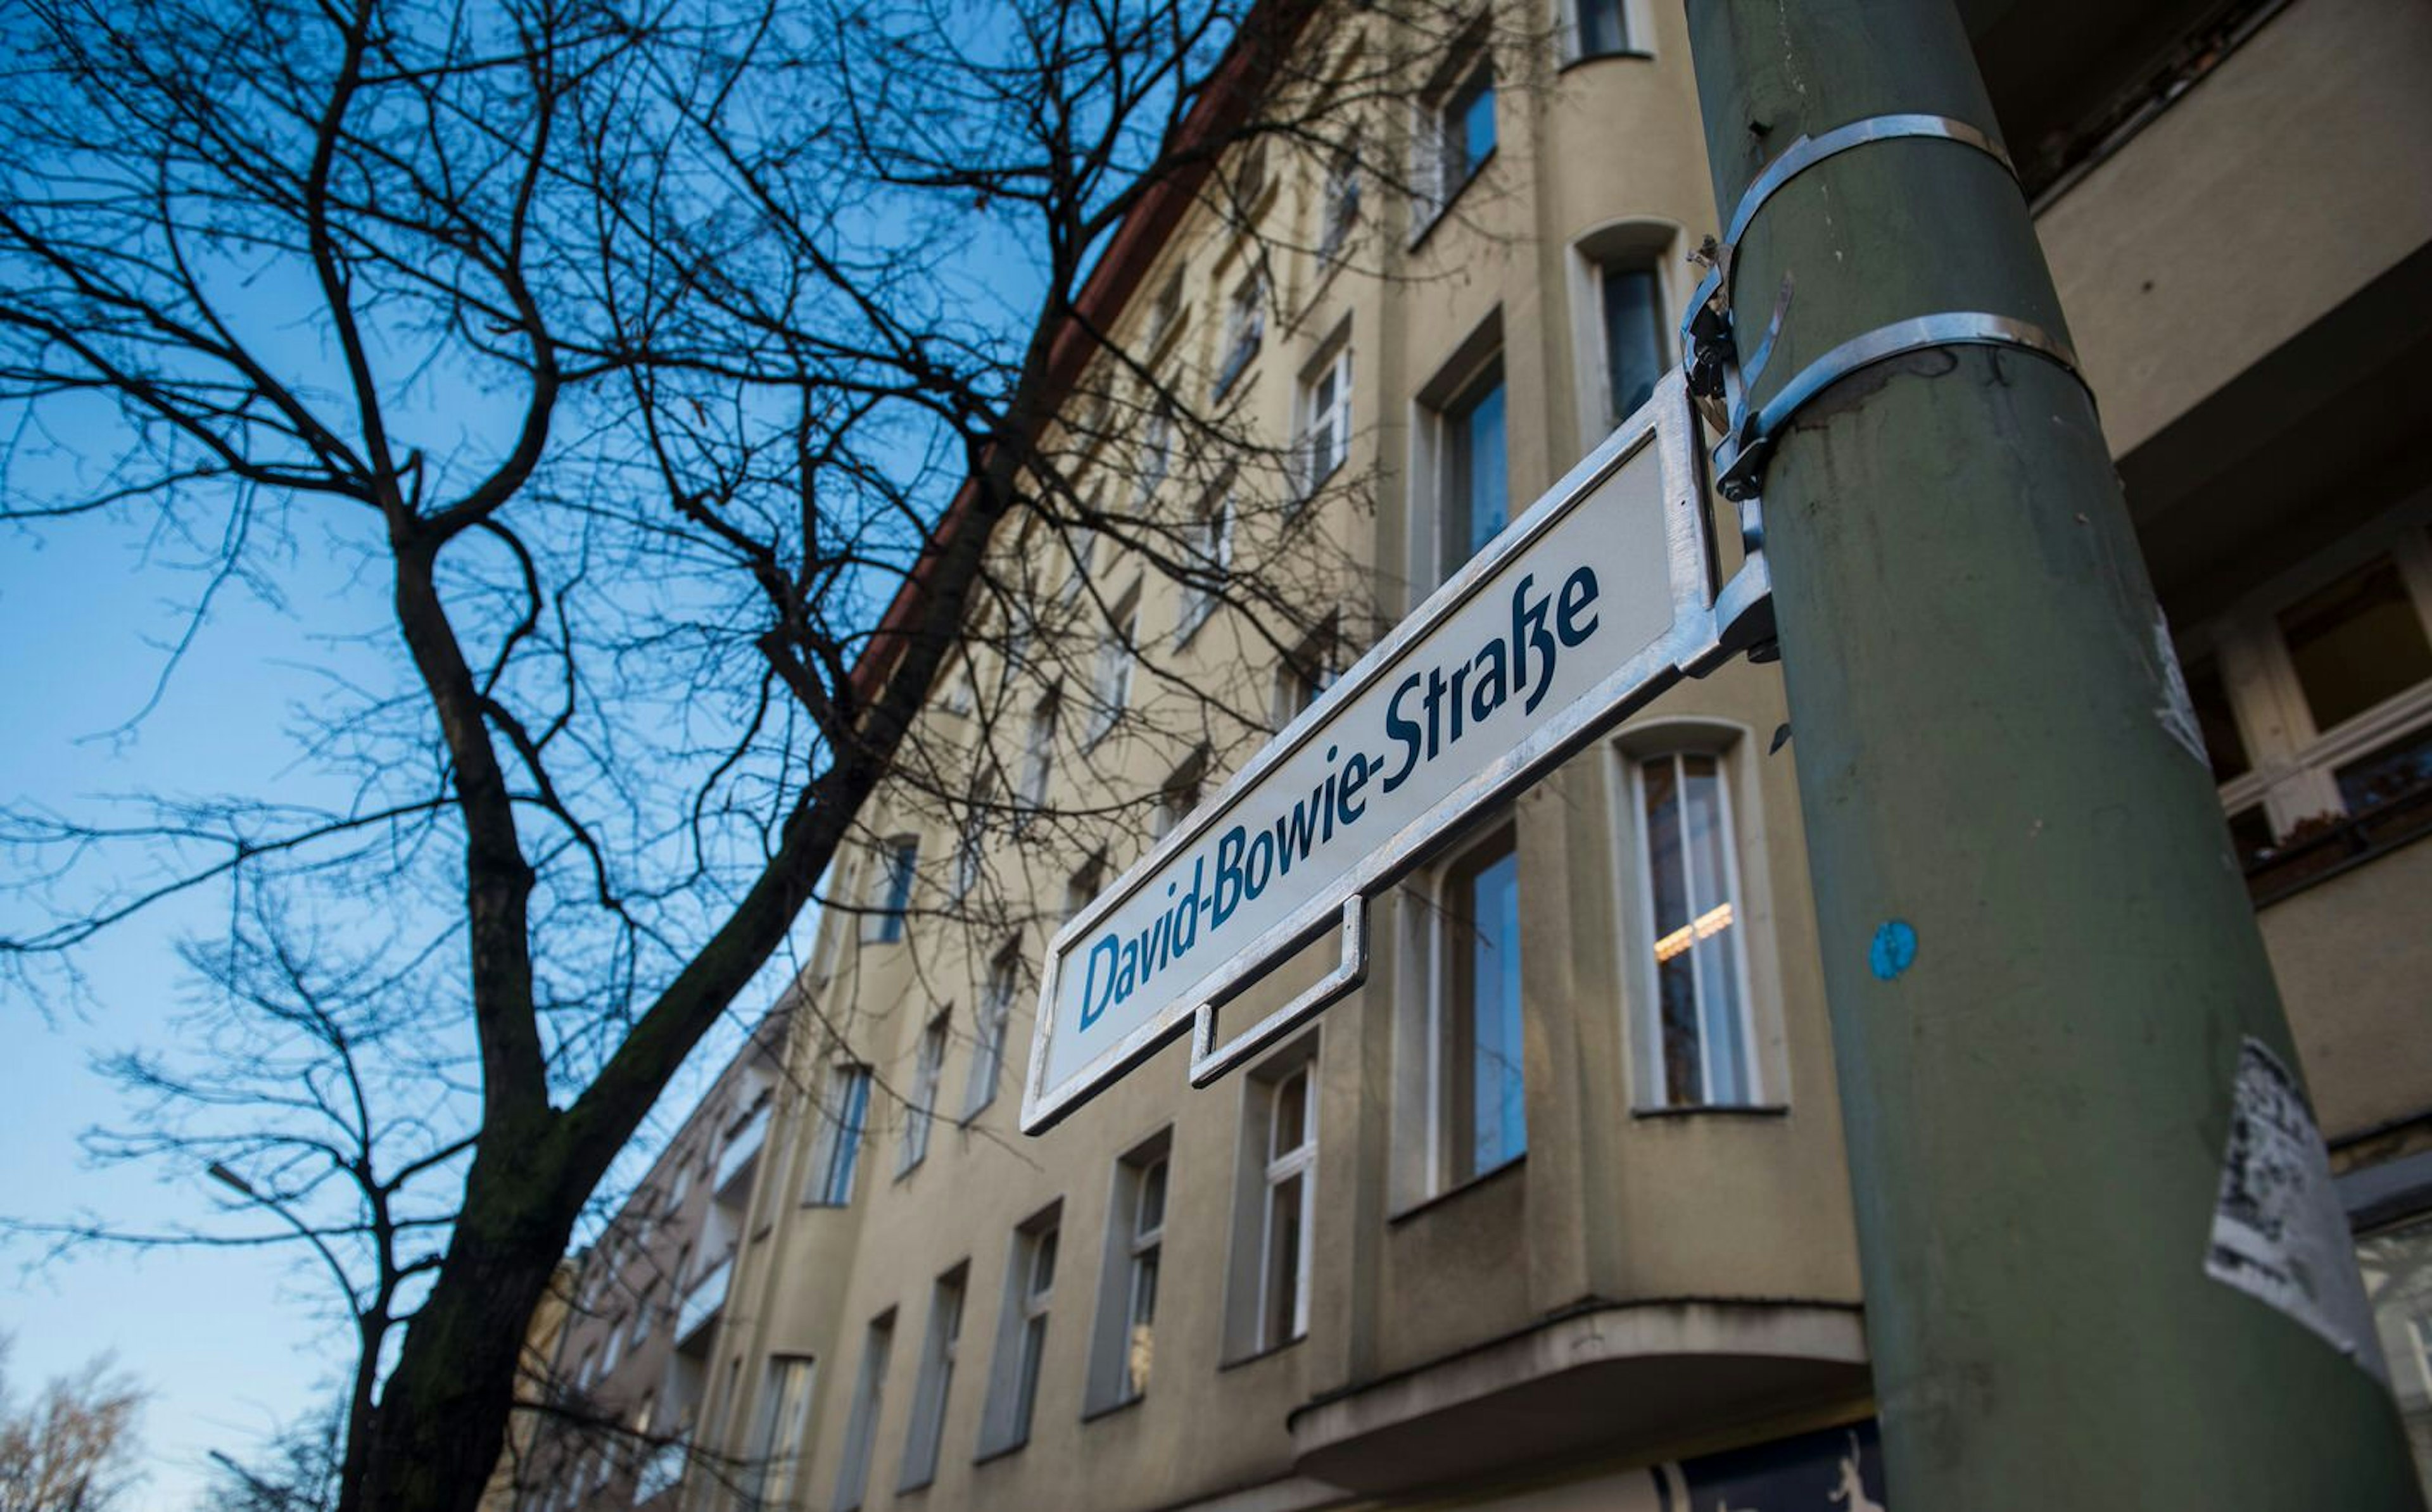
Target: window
[613, 1347]
[1022, 1335]
[1324, 418]
[1600, 28]
[1215, 553]
[2397, 1265]
[1123, 1346]
[1631, 299]
[1038, 750]
[937, 1380]
[842, 1113]
[970, 838]
[2314, 699]
[777, 1438]
[1111, 678]
[680, 1181]
[1454, 138]
[1307, 672]
[928, 1063]
[891, 889]
[996, 1013]
[1472, 491]
[861, 1421]
[1698, 1032]
[1082, 542]
[1156, 453]
[1481, 1091]
[1245, 321]
[643, 1307]
[1180, 795]
[1084, 885]
[1165, 315]
[1339, 211]
[1289, 1209]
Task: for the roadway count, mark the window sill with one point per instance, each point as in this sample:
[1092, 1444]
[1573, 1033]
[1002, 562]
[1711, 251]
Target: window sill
[1090, 1415]
[1639, 53]
[1470, 1184]
[1715, 1110]
[1255, 1355]
[989, 1455]
[1427, 227]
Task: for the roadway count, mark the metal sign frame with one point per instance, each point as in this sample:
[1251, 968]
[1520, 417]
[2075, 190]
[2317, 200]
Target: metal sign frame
[1710, 624]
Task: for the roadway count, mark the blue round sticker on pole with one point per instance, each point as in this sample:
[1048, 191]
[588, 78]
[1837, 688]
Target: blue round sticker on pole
[1894, 949]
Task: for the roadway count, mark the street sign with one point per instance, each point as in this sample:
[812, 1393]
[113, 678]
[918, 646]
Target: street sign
[1599, 597]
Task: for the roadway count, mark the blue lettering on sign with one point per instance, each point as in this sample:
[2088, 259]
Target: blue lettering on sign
[1427, 715]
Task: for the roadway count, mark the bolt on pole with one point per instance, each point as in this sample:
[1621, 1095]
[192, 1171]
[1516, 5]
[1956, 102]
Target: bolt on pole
[2052, 1009]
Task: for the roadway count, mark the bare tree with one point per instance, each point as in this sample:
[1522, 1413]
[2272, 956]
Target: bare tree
[73, 1448]
[686, 384]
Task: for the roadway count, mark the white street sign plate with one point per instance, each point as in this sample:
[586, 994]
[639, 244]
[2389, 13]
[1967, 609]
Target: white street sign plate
[1589, 604]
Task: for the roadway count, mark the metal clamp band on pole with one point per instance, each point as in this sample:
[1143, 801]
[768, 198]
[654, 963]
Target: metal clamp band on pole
[1741, 459]
[1707, 336]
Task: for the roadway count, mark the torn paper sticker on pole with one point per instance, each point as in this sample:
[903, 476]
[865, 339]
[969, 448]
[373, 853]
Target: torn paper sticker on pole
[2278, 1233]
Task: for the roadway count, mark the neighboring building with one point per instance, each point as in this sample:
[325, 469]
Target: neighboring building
[632, 1365]
[1551, 1213]
[518, 1467]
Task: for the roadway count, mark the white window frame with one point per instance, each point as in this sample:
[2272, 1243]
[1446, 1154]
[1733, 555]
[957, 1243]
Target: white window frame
[970, 838]
[1218, 516]
[836, 1151]
[920, 1107]
[891, 889]
[1280, 1167]
[1433, 182]
[1637, 31]
[1245, 324]
[2292, 762]
[1339, 203]
[861, 1420]
[1635, 245]
[1031, 1264]
[925, 1437]
[1302, 678]
[782, 1426]
[1122, 1361]
[1435, 958]
[1640, 940]
[1038, 749]
[1322, 414]
[1110, 676]
[993, 1030]
[1156, 458]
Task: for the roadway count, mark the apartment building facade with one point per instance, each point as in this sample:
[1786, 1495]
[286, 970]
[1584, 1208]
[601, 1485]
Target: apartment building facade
[1551, 1212]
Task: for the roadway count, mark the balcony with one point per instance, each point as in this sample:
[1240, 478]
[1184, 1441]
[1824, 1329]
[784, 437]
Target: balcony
[662, 1472]
[741, 1155]
[1624, 1379]
[702, 1303]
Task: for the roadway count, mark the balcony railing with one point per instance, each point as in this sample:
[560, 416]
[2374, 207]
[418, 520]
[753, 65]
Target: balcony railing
[742, 1149]
[701, 1303]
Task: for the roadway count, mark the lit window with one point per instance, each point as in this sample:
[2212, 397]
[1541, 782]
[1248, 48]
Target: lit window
[1472, 491]
[1481, 1091]
[1688, 877]
[861, 1421]
[891, 889]
[996, 1013]
[935, 1382]
[1288, 1212]
[1455, 137]
[1022, 1335]
[1325, 420]
[1144, 1249]
[1122, 1349]
[929, 1062]
[837, 1150]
